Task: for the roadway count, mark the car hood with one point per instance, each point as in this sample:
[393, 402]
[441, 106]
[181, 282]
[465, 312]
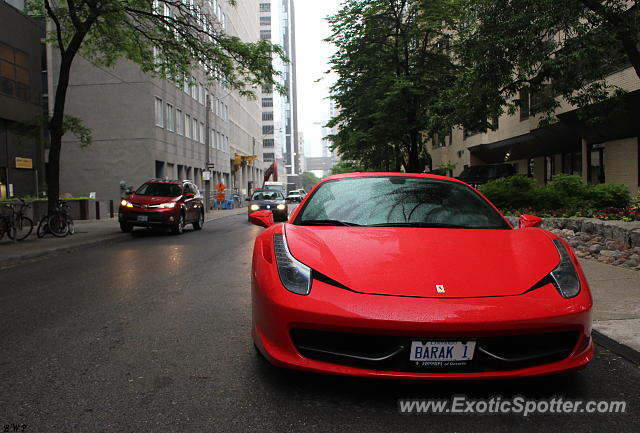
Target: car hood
[405, 261]
[150, 199]
[261, 202]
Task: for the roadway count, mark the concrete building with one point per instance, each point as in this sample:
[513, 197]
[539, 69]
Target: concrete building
[289, 101]
[144, 127]
[21, 156]
[608, 152]
[267, 14]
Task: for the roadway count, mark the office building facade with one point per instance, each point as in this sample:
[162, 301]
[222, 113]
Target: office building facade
[145, 127]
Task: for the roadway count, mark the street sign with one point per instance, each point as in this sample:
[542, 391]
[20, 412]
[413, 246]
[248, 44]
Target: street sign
[211, 165]
[206, 175]
[24, 163]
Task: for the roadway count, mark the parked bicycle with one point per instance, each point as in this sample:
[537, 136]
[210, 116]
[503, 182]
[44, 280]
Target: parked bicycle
[59, 223]
[15, 223]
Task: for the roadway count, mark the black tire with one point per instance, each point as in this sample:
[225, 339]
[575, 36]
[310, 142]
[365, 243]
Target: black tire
[126, 228]
[24, 227]
[72, 227]
[178, 229]
[199, 223]
[43, 226]
[58, 225]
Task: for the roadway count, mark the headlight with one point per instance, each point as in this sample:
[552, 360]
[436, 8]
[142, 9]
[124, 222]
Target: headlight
[281, 207]
[295, 276]
[254, 207]
[169, 205]
[125, 203]
[564, 276]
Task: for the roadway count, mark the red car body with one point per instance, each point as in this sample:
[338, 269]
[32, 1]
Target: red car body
[375, 291]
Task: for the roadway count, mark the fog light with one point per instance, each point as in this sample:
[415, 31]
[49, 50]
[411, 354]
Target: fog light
[171, 219]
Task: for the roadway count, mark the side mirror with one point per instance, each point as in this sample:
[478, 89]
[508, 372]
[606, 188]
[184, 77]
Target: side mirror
[262, 218]
[128, 190]
[527, 220]
[246, 199]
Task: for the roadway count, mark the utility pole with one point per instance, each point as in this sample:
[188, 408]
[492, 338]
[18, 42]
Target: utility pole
[208, 164]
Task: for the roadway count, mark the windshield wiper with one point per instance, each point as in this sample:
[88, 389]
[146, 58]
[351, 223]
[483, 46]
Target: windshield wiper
[328, 223]
[418, 224]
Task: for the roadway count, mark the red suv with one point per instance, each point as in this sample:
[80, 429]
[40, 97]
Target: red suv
[164, 203]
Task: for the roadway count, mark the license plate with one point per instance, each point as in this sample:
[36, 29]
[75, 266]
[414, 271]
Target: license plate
[442, 352]
[142, 218]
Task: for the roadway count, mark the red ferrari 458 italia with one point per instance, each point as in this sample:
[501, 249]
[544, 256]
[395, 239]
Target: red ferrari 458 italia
[415, 276]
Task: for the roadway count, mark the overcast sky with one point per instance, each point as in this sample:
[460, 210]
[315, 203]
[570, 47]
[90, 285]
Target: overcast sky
[312, 61]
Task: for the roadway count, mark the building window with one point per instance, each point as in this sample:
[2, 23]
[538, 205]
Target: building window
[267, 88]
[525, 104]
[159, 113]
[265, 21]
[549, 168]
[201, 97]
[268, 142]
[265, 34]
[268, 157]
[530, 167]
[171, 121]
[267, 129]
[596, 164]
[14, 72]
[188, 132]
[194, 128]
[265, 7]
[267, 115]
[202, 136]
[267, 102]
[180, 122]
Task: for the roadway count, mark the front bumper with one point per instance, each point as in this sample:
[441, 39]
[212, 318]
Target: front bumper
[280, 316]
[148, 217]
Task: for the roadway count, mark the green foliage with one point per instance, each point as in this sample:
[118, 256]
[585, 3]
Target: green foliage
[515, 191]
[565, 194]
[544, 48]
[609, 195]
[392, 63]
[309, 180]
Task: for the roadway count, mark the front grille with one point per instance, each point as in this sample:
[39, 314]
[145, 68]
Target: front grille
[152, 217]
[391, 353]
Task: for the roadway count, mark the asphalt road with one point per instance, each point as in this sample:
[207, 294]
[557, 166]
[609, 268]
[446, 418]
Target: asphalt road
[151, 334]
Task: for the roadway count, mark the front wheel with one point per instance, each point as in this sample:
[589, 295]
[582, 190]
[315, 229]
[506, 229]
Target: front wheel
[197, 225]
[179, 227]
[58, 225]
[24, 227]
[43, 226]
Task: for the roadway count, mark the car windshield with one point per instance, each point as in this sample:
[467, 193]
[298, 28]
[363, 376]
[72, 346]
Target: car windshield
[267, 195]
[160, 189]
[399, 201]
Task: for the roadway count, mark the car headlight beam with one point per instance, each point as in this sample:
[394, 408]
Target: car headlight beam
[125, 203]
[254, 207]
[281, 207]
[295, 276]
[564, 276]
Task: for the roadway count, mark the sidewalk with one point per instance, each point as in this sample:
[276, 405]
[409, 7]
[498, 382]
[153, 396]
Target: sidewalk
[616, 306]
[616, 290]
[87, 233]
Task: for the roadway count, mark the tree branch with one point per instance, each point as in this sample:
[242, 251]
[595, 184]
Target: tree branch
[56, 21]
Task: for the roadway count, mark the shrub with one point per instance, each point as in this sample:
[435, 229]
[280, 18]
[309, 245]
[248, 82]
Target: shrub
[511, 192]
[604, 195]
[565, 191]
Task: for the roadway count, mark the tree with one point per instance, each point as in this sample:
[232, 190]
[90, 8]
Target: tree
[309, 180]
[392, 63]
[167, 38]
[527, 53]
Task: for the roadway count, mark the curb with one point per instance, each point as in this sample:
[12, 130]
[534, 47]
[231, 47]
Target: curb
[29, 257]
[623, 350]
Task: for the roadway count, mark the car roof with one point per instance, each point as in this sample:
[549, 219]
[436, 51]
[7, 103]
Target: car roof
[386, 174]
[173, 181]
